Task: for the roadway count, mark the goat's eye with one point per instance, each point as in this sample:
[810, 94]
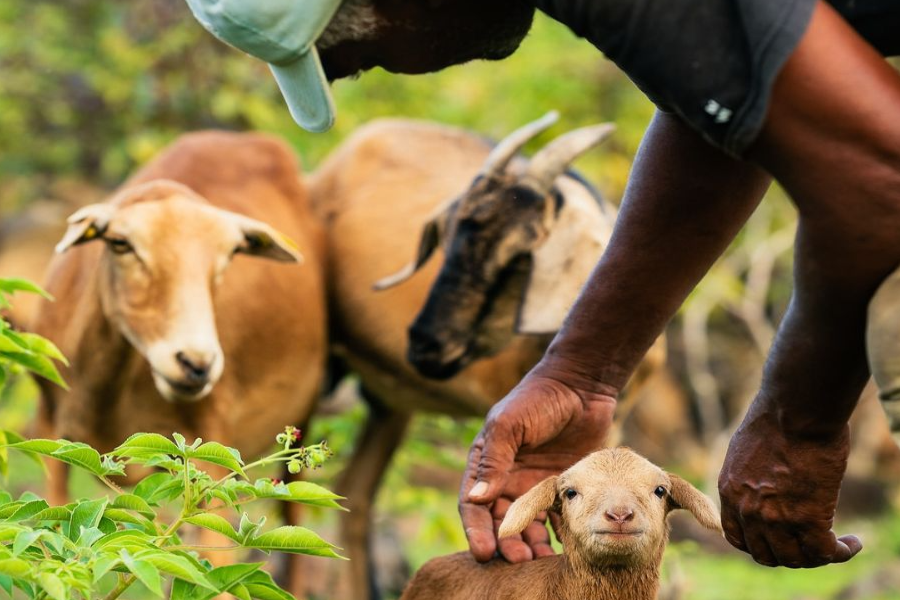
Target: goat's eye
[660, 491]
[570, 493]
[119, 245]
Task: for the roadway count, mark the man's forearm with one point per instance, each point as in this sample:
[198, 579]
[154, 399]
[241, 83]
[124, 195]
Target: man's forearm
[685, 202]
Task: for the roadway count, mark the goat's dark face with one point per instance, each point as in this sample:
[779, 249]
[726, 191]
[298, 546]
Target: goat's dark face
[494, 236]
[472, 305]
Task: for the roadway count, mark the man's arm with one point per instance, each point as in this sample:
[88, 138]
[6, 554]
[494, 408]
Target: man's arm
[684, 203]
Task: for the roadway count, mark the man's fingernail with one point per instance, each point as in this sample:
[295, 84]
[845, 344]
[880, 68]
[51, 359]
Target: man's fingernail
[480, 489]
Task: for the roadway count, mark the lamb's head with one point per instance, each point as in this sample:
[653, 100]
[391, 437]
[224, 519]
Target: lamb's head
[614, 506]
[518, 245]
[166, 249]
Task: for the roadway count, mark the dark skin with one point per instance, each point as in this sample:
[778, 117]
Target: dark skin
[832, 139]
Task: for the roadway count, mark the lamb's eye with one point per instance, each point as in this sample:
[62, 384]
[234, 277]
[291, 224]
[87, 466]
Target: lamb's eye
[660, 491]
[119, 245]
[570, 493]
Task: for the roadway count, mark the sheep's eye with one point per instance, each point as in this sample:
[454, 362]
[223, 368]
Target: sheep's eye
[119, 245]
[660, 491]
[570, 493]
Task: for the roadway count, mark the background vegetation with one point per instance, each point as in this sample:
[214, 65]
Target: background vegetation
[90, 89]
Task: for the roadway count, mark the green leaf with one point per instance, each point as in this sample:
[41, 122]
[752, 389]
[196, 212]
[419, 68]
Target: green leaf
[54, 513]
[103, 565]
[148, 486]
[43, 346]
[25, 539]
[144, 445]
[89, 535]
[28, 510]
[216, 453]
[261, 585]
[135, 503]
[39, 365]
[223, 578]
[129, 539]
[86, 514]
[14, 284]
[240, 592]
[37, 446]
[216, 523]
[302, 492]
[293, 539]
[80, 455]
[6, 584]
[177, 566]
[9, 531]
[15, 567]
[144, 571]
[53, 586]
[120, 515]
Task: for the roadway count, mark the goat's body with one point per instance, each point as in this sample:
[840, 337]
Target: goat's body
[270, 318]
[460, 577]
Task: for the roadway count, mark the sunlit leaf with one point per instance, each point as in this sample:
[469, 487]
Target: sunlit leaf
[53, 586]
[215, 523]
[84, 515]
[144, 571]
[144, 445]
[216, 453]
[293, 539]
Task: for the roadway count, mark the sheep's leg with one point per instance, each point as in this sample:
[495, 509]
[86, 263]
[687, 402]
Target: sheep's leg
[359, 483]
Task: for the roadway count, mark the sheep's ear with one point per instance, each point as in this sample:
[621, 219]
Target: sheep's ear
[432, 236]
[85, 225]
[524, 510]
[563, 263]
[686, 496]
[267, 242]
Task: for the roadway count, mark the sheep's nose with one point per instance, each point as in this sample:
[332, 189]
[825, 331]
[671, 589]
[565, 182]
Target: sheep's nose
[195, 365]
[619, 515]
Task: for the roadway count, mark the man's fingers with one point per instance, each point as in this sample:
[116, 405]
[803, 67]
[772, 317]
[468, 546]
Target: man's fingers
[538, 538]
[758, 546]
[479, 526]
[491, 458]
[848, 546]
[786, 548]
[734, 534]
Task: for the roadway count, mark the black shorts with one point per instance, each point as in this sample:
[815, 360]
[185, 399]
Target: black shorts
[713, 62]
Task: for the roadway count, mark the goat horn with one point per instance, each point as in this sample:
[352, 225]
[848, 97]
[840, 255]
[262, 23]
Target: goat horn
[507, 148]
[556, 156]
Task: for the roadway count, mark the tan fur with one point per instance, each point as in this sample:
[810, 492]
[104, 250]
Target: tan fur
[269, 317]
[604, 559]
[374, 193]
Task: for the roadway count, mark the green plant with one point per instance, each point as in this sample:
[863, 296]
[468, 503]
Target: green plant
[99, 548]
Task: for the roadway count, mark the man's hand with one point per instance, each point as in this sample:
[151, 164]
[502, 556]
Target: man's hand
[541, 428]
[779, 495]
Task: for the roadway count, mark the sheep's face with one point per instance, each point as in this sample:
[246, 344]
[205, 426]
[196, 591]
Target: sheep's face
[410, 36]
[166, 250]
[472, 306]
[614, 505]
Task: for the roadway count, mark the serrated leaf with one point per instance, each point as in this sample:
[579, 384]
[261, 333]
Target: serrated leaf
[38, 446]
[215, 523]
[144, 571]
[302, 492]
[37, 364]
[80, 455]
[135, 503]
[24, 540]
[144, 445]
[148, 486]
[293, 539]
[28, 510]
[216, 453]
[86, 514]
[15, 567]
[53, 586]
[43, 346]
[54, 513]
[261, 585]
[177, 566]
[11, 285]
[126, 538]
[120, 515]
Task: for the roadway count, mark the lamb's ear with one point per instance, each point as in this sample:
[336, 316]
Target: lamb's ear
[686, 496]
[85, 225]
[524, 510]
[432, 236]
[563, 263]
[265, 241]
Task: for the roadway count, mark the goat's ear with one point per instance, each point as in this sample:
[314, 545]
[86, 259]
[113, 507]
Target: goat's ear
[524, 510]
[432, 236]
[85, 225]
[262, 240]
[563, 263]
[686, 496]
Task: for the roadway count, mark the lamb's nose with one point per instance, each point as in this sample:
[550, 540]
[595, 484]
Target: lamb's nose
[619, 515]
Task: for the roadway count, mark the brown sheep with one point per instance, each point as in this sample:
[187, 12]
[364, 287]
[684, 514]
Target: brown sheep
[613, 505]
[166, 328]
[374, 193]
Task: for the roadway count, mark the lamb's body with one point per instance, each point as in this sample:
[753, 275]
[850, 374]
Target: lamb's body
[460, 577]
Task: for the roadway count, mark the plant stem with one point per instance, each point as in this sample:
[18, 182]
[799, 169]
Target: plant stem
[124, 582]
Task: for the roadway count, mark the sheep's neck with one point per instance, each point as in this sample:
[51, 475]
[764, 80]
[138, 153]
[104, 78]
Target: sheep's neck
[581, 581]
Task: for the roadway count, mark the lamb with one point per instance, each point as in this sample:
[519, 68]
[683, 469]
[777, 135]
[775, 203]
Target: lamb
[613, 506]
[395, 182]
